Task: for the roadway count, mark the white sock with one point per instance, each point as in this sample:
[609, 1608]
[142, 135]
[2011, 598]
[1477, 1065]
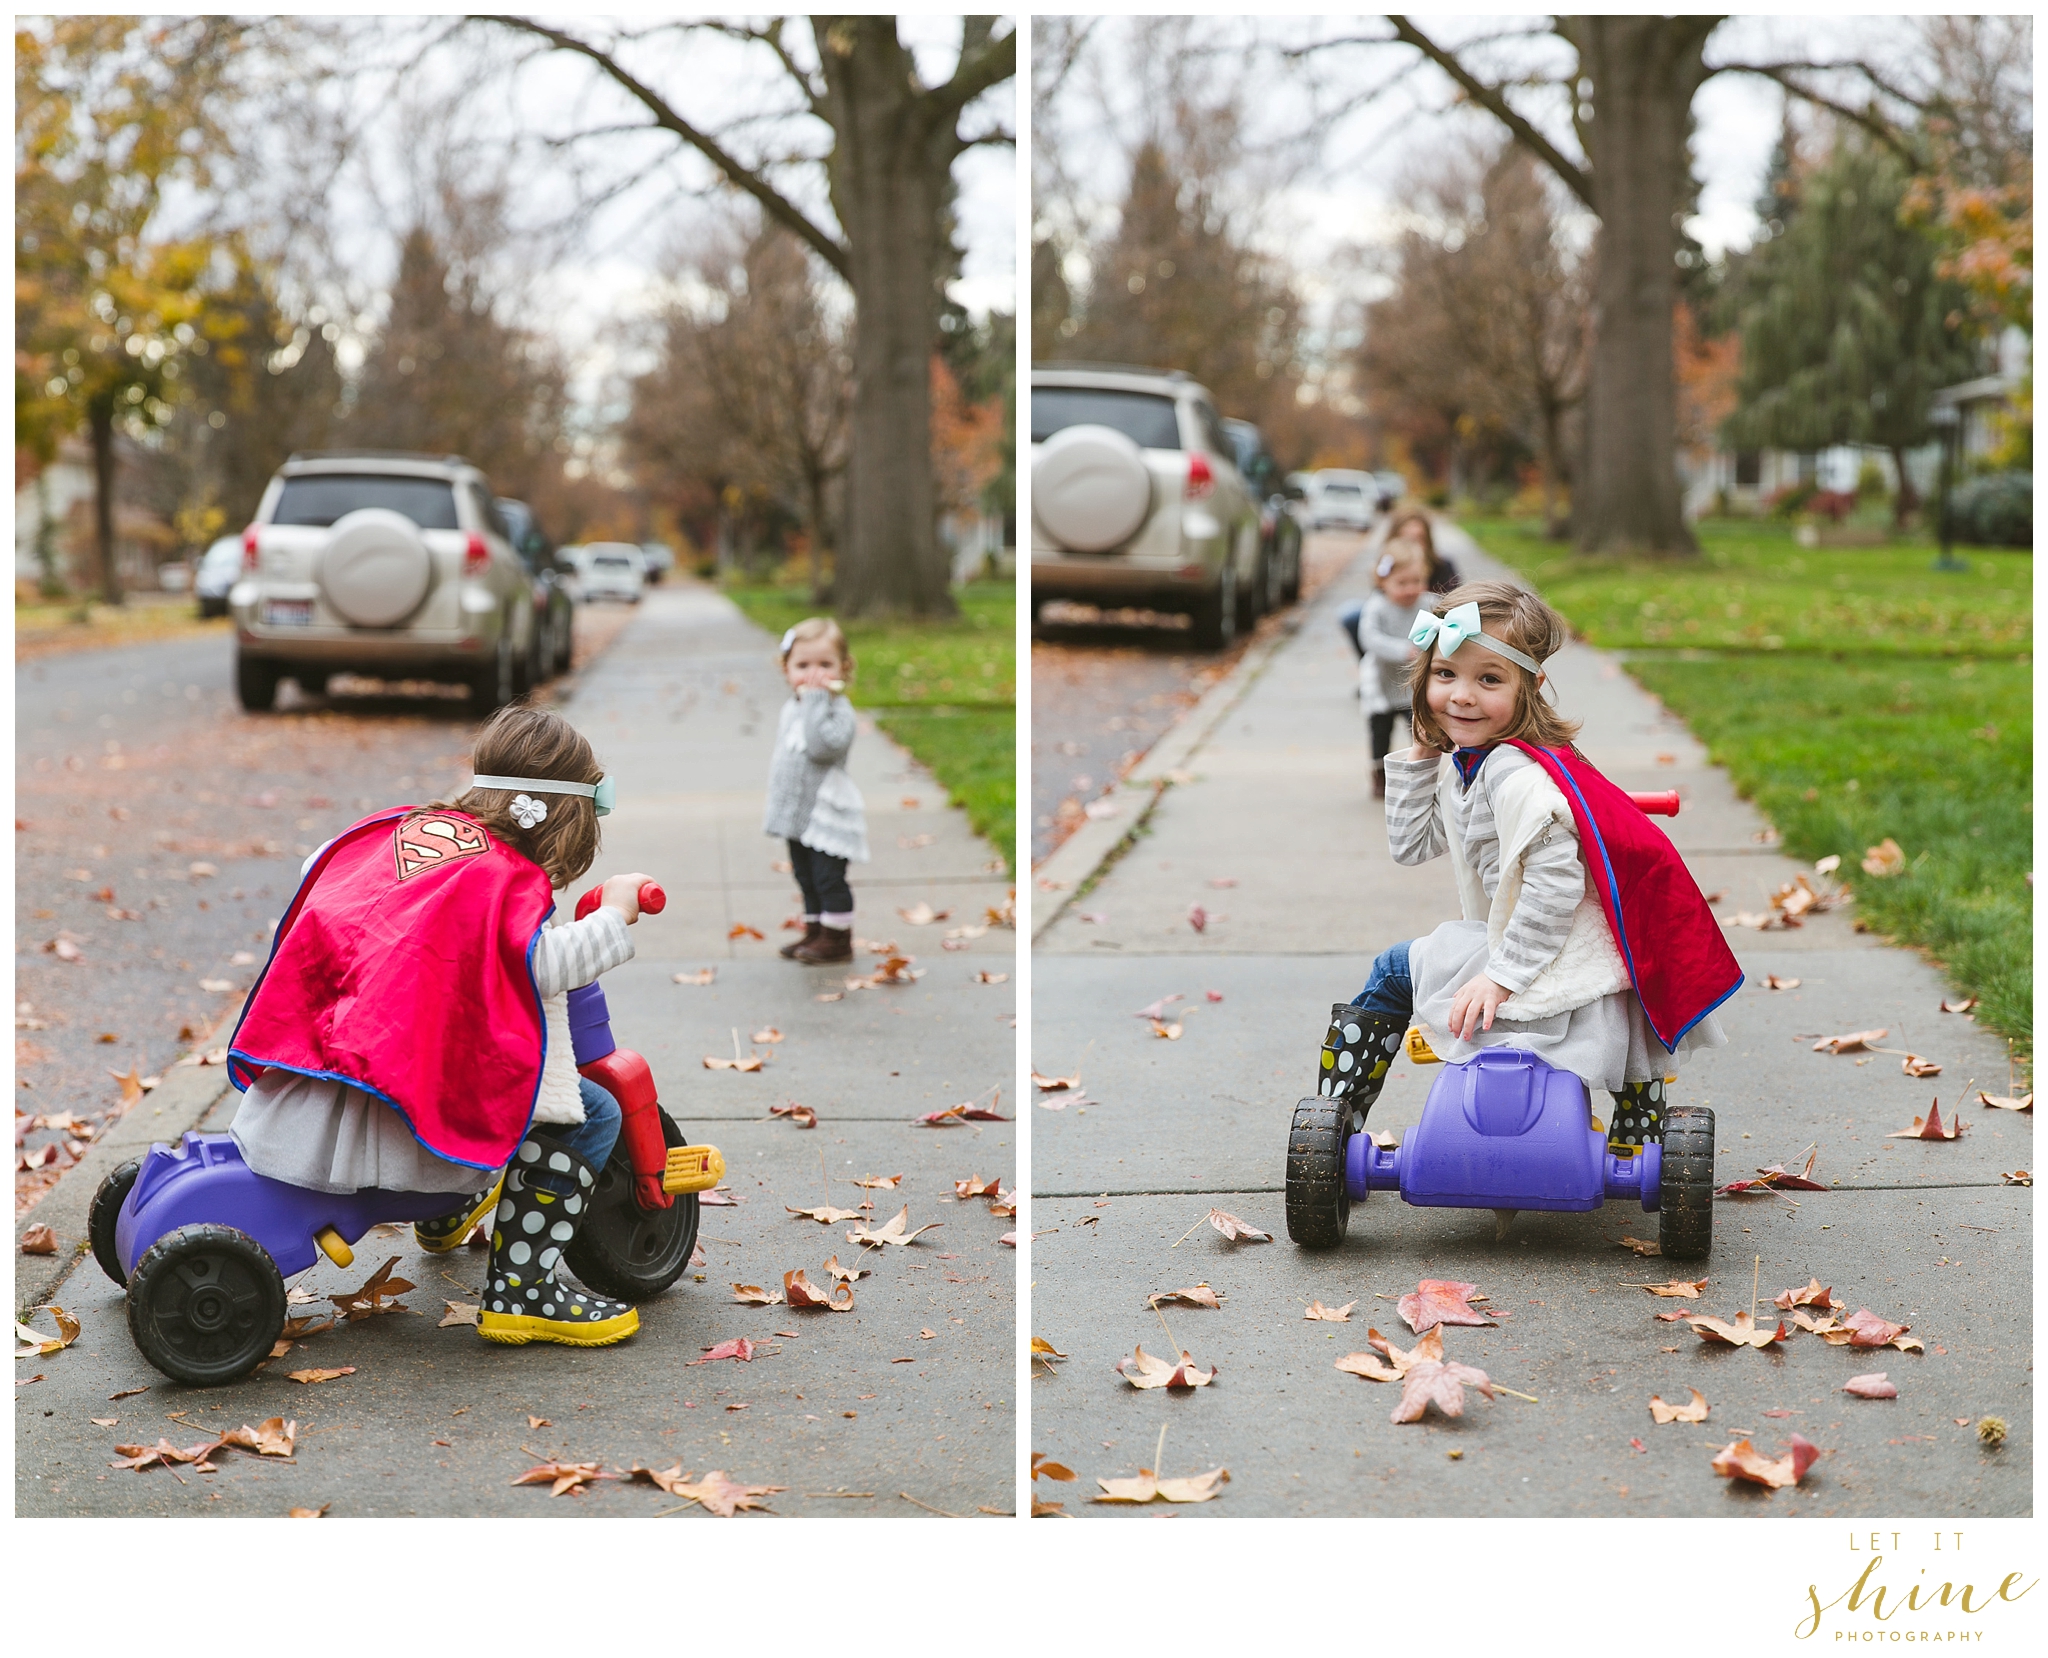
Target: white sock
[843, 921]
[810, 920]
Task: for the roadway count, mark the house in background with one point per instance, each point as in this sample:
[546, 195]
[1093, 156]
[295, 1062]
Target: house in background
[53, 519]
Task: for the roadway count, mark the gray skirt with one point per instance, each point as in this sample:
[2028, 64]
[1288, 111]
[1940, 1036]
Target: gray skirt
[309, 1131]
[1606, 1042]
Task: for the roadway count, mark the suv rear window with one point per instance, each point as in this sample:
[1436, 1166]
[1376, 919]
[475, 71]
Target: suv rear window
[1147, 420]
[1342, 489]
[319, 498]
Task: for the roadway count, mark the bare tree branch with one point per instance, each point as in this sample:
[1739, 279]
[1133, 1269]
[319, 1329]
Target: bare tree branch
[777, 206]
[1574, 177]
[984, 62]
[1868, 119]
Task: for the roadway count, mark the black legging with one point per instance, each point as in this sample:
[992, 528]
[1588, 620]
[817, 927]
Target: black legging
[822, 879]
[1382, 729]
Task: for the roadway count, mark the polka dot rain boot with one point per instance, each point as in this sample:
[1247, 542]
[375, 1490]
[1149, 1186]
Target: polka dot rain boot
[1638, 1115]
[1357, 1052]
[527, 1296]
[437, 1237]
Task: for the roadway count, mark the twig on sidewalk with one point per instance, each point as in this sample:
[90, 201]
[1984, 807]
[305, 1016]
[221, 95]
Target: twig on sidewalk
[1183, 1238]
[927, 1507]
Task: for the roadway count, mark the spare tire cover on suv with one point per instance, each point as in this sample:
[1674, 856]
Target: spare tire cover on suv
[1090, 488]
[376, 568]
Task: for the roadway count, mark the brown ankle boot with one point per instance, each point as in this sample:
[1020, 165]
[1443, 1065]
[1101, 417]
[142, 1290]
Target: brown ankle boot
[833, 944]
[811, 930]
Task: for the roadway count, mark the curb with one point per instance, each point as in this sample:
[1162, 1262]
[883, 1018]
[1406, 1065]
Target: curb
[1062, 876]
[180, 1102]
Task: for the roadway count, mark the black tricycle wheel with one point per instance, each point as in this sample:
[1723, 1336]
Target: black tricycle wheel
[105, 1213]
[624, 1250]
[206, 1305]
[1685, 1195]
[1318, 1203]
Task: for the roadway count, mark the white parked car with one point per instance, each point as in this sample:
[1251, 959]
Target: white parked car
[661, 558]
[1136, 499]
[613, 570]
[391, 566]
[220, 567]
[1343, 500]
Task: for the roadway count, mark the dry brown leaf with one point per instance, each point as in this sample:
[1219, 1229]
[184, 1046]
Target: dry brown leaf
[741, 1350]
[1043, 1349]
[1773, 982]
[1743, 1460]
[1234, 1229]
[922, 914]
[1873, 1386]
[2007, 1102]
[1740, 1332]
[803, 1293]
[1863, 1328]
[927, 1334]
[2017, 1177]
[975, 1186]
[379, 1294]
[1329, 1315]
[1050, 1470]
[33, 1343]
[702, 975]
[1051, 1085]
[39, 1240]
[1167, 1032]
[1915, 1066]
[1963, 1006]
[824, 1214]
[1851, 1041]
[1156, 1011]
[767, 1033]
[274, 1437]
[309, 1377]
[991, 978]
[1814, 1295]
[163, 1453]
[880, 1181]
[459, 1312]
[1642, 1246]
[564, 1478]
[1678, 1289]
[1437, 1382]
[1145, 1370]
[1147, 1488]
[1929, 1127]
[713, 1062]
[802, 1115]
[1886, 858]
[1200, 1295]
[1397, 1362]
[894, 1232]
[845, 1275]
[739, 929]
[1440, 1301]
[717, 1494]
[1694, 1410]
[131, 1084]
[319, 1513]
[753, 1295]
[1198, 918]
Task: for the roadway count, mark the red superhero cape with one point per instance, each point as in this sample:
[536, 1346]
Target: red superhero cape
[404, 966]
[1677, 956]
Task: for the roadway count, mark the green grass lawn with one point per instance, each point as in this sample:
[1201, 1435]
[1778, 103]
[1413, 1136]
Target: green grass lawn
[947, 691]
[1909, 715]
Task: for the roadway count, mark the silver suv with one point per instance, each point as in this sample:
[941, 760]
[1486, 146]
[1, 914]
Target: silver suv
[391, 566]
[1136, 498]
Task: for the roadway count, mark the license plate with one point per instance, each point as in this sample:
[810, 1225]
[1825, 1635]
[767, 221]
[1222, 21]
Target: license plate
[288, 613]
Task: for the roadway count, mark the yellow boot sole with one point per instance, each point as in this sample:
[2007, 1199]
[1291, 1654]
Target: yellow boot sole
[517, 1329]
[455, 1239]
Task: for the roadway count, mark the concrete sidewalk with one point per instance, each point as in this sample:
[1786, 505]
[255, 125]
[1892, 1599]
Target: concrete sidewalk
[902, 1406]
[1279, 808]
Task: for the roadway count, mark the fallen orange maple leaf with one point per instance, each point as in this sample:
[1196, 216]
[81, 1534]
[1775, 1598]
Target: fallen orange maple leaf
[1742, 1460]
[1929, 1127]
[564, 1478]
[1200, 1295]
[1145, 1370]
[1440, 1301]
[1234, 1229]
[803, 1293]
[1693, 1410]
[1742, 1332]
[1812, 1296]
[1873, 1386]
[1851, 1042]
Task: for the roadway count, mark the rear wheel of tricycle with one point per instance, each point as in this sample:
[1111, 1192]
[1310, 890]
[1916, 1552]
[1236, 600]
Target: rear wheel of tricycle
[206, 1304]
[1685, 1197]
[105, 1214]
[1318, 1203]
[627, 1251]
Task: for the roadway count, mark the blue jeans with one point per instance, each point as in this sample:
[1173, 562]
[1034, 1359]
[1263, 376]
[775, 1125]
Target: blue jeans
[1388, 990]
[593, 1138]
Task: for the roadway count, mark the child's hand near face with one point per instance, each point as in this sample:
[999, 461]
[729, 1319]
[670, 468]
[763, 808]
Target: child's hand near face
[814, 664]
[622, 893]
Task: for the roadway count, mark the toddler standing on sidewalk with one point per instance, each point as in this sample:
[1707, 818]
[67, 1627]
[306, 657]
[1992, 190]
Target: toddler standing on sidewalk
[1400, 579]
[812, 803]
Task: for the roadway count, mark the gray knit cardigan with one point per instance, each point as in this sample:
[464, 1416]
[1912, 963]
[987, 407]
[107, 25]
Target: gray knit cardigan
[826, 723]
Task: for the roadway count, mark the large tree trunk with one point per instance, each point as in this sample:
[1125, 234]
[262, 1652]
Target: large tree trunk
[1644, 72]
[814, 491]
[891, 178]
[102, 421]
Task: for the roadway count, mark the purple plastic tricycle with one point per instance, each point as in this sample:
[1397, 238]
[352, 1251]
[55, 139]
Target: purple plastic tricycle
[1501, 1131]
[203, 1244]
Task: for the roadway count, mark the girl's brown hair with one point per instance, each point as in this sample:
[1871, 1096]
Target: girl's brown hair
[533, 742]
[819, 627]
[1398, 556]
[1414, 526]
[1515, 617]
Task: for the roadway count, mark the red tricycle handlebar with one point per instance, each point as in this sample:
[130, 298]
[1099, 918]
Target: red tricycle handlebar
[652, 899]
[1662, 804]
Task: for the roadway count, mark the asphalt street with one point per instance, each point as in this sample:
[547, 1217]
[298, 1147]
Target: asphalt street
[1278, 840]
[902, 1406]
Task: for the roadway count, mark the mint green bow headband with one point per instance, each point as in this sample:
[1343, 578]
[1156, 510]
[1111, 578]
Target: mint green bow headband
[599, 793]
[1453, 629]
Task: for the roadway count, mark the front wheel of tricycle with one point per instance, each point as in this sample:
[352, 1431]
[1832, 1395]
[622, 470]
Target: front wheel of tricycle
[1318, 1203]
[206, 1304]
[627, 1251]
[1685, 1196]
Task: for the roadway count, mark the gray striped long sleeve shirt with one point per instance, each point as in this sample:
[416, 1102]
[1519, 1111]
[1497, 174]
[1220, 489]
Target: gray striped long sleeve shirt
[572, 954]
[1553, 875]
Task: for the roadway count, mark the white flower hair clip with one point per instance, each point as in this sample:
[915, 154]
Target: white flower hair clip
[526, 811]
[786, 638]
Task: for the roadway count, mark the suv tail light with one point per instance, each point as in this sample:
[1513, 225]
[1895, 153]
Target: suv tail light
[476, 557]
[250, 552]
[1201, 480]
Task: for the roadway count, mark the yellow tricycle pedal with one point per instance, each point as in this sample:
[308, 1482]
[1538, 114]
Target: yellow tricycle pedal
[692, 1169]
[1418, 1048]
